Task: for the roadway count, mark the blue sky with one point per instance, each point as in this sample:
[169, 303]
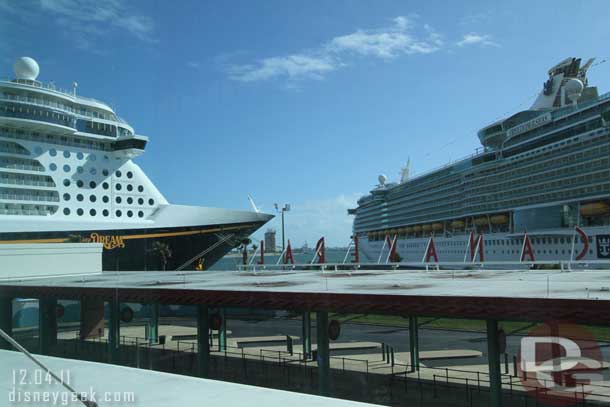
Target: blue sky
[302, 102]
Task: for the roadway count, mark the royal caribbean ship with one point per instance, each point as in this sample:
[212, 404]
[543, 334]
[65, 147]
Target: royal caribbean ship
[66, 174]
[539, 189]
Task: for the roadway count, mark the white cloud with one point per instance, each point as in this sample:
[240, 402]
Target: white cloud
[477, 39]
[84, 21]
[400, 38]
[292, 66]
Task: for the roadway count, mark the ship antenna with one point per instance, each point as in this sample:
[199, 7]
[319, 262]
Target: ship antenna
[254, 207]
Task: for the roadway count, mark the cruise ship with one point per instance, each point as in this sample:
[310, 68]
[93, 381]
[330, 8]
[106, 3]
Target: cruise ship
[537, 190]
[67, 175]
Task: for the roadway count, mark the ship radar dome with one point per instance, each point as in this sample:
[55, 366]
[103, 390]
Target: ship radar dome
[382, 179]
[26, 68]
[574, 88]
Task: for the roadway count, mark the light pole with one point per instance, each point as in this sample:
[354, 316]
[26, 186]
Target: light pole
[285, 208]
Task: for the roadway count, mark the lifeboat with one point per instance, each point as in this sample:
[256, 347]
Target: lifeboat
[437, 226]
[409, 229]
[499, 219]
[426, 228]
[417, 228]
[482, 221]
[370, 235]
[594, 209]
[458, 224]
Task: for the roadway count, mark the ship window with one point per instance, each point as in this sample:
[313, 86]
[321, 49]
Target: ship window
[38, 150]
[80, 212]
[118, 199]
[80, 183]
[105, 212]
[92, 171]
[129, 187]
[80, 155]
[79, 170]
[129, 174]
[66, 197]
[118, 213]
[140, 214]
[129, 214]
[92, 198]
[105, 199]
[118, 174]
[105, 185]
[151, 202]
[118, 187]
[105, 173]
[80, 197]
[52, 167]
[66, 182]
[92, 212]
[66, 211]
[130, 200]
[141, 201]
[140, 188]
[66, 154]
[92, 184]
[66, 168]
[52, 152]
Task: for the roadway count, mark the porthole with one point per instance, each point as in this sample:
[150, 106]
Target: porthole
[140, 201]
[92, 198]
[92, 184]
[66, 197]
[53, 167]
[130, 200]
[92, 157]
[66, 168]
[151, 202]
[66, 154]
[66, 211]
[80, 155]
[118, 187]
[105, 185]
[118, 199]
[38, 150]
[129, 214]
[52, 152]
[129, 187]
[106, 158]
[80, 183]
[66, 182]
[105, 212]
[105, 199]
[92, 212]
[118, 213]
[80, 212]
[80, 197]
[140, 214]
[79, 169]
[129, 174]
[118, 174]
[105, 173]
[92, 171]
[140, 188]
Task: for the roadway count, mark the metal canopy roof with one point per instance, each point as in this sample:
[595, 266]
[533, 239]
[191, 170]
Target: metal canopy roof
[578, 296]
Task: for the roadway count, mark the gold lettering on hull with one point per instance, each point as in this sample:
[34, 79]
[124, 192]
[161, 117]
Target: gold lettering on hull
[109, 242]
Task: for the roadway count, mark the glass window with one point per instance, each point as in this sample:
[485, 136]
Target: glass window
[129, 187]
[80, 212]
[92, 198]
[52, 152]
[141, 201]
[118, 213]
[118, 199]
[105, 185]
[92, 171]
[66, 211]
[66, 182]
[92, 212]
[129, 214]
[130, 200]
[66, 168]
[80, 197]
[66, 197]
[118, 174]
[129, 174]
[105, 199]
[80, 155]
[80, 183]
[140, 188]
[92, 184]
[66, 154]
[118, 187]
[53, 167]
[105, 212]
[140, 214]
[151, 202]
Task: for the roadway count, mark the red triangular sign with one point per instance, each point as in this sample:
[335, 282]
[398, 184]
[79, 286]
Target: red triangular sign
[288, 255]
[527, 249]
[431, 251]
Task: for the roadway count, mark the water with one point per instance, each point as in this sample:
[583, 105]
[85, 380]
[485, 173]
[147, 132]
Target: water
[230, 262]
